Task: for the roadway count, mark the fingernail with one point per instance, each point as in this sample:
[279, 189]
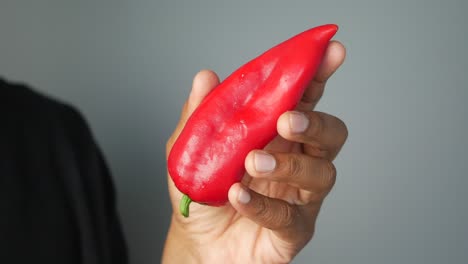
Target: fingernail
[264, 162]
[298, 122]
[243, 197]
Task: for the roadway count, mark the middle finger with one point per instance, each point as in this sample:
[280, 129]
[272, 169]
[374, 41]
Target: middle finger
[322, 134]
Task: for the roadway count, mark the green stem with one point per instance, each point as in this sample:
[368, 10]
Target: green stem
[184, 205]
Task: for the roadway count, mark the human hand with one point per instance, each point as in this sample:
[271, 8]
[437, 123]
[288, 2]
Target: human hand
[271, 214]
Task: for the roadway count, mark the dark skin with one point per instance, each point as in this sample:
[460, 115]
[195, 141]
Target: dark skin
[271, 214]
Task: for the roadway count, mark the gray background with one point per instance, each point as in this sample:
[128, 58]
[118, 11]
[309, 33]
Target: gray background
[401, 191]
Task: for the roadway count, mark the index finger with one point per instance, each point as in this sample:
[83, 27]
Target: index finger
[203, 82]
[332, 60]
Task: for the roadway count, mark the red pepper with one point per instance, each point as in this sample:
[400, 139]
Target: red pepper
[240, 115]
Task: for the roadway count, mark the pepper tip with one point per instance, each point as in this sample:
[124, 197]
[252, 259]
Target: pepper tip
[330, 28]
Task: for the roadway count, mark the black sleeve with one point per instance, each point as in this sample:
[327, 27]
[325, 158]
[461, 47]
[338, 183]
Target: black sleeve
[57, 200]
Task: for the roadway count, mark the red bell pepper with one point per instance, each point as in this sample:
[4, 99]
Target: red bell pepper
[240, 115]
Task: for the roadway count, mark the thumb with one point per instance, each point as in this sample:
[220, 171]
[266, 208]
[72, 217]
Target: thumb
[203, 82]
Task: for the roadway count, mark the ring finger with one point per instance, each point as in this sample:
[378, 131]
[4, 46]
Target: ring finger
[305, 172]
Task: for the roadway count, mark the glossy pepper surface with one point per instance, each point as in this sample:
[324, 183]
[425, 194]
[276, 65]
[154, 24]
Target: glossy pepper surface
[240, 115]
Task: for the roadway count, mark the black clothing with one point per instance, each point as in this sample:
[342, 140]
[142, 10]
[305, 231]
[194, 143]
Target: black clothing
[57, 202]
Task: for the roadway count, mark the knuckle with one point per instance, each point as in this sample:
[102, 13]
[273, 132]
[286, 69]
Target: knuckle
[310, 197]
[316, 124]
[343, 130]
[328, 176]
[262, 210]
[288, 214]
[315, 197]
[276, 215]
[267, 216]
[295, 167]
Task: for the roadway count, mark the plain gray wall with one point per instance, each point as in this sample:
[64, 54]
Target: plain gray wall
[401, 194]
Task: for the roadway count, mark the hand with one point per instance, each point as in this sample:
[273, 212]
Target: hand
[272, 213]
